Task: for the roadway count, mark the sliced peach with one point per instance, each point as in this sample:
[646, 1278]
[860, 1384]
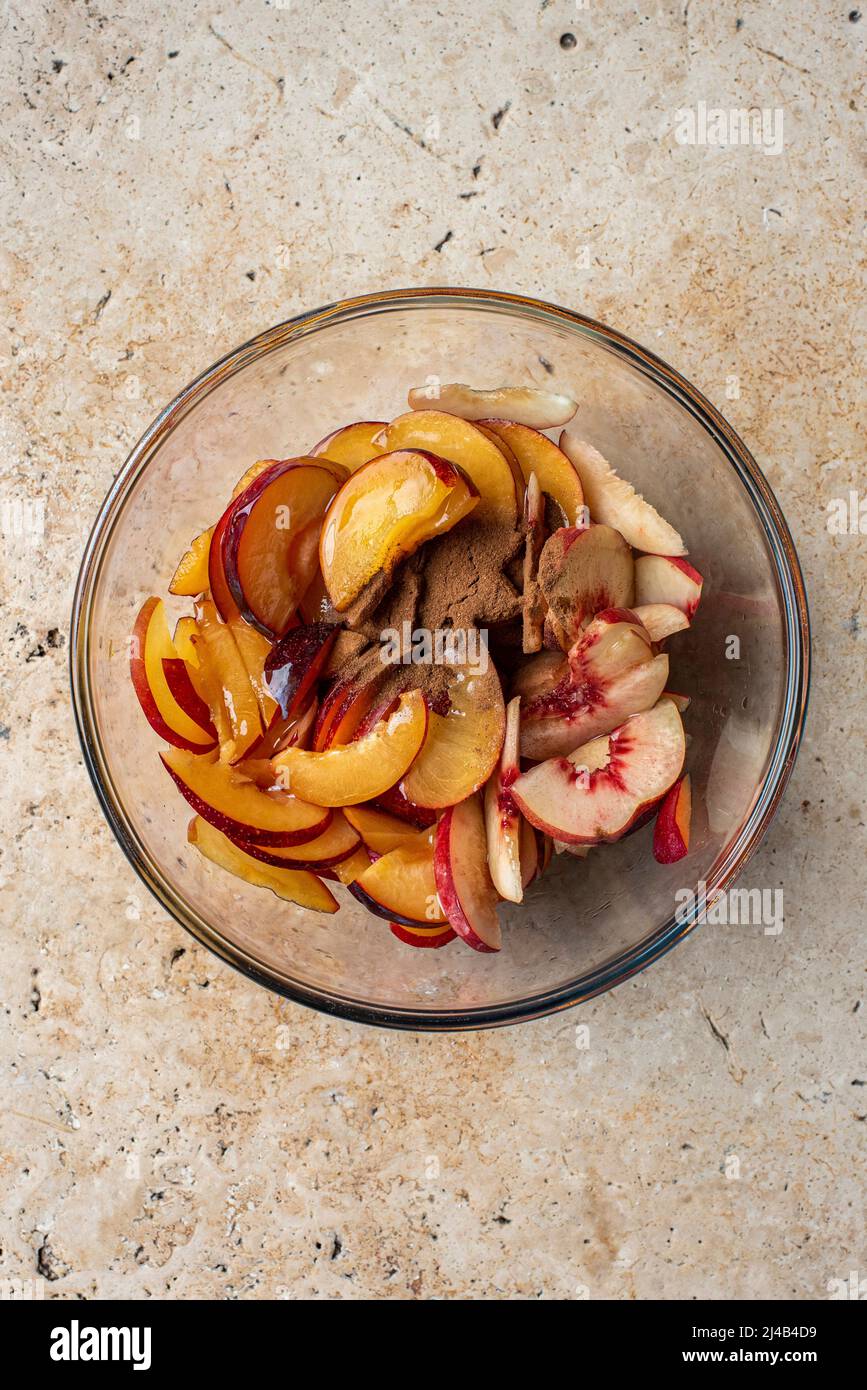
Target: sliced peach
[431, 937]
[237, 807]
[661, 619]
[584, 570]
[614, 501]
[533, 604]
[601, 789]
[151, 648]
[352, 445]
[191, 576]
[230, 672]
[268, 545]
[400, 886]
[361, 770]
[255, 650]
[671, 831]
[292, 667]
[462, 746]
[536, 453]
[503, 820]
[251, 475]
[335, 844]
[380, 832]
[668, 579]
[348, 870]
[528, 404]
[296, 886]
[343, 709]
[383, 512]
[460, 442]
[464, 885]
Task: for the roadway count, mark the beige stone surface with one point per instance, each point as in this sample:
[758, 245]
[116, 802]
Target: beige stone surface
[176, 178]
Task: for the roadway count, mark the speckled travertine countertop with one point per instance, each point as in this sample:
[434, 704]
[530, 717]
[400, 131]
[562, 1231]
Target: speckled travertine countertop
[167, 1129]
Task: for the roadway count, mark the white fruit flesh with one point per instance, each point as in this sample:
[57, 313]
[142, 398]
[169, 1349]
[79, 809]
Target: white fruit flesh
[667, 579]
[661, 619]
[631, 692]
[599, 790]
[541, 410]
[502, 819]
[582, 572]
[614, 501]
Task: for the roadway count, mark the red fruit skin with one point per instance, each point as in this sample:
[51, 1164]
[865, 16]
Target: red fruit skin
[138, 676]
[313, 865]
[181, 687]
[236, 830]
[687, 568]
[672, 829]
[396, 803]
[294, 663]
[446, 890]
[388, 913]
[415, 938]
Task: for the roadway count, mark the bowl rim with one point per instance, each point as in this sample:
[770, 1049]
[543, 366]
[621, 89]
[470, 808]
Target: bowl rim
[769, 793]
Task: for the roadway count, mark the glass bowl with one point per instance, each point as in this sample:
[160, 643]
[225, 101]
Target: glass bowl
[590, 924]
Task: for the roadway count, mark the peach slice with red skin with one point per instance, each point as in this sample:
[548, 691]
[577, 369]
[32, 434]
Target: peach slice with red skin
[462, 746]
[531, 859]
[600, 790]
[295, 885]
[352, 445]
[533, 602]
[661, 619]
[268, 546]
[538, 454]
[462, 444]
[364, 769]
[400, 886]
[380, 832]
[614, 501]
[173, 710]
[335, 844]
[383, 512]
[668, 579]
[431, 937]
[291, 670]
[238, 808]
[671, 831]
[529, 405]
[502, 817]
[464, 884]
[346, 871]
[584, 571]
[612, 674]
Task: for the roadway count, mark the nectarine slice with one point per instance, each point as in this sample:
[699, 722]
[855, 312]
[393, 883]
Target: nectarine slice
[536, 453]
[352, 445]
[335, 844]
[614, 501]
[361, 770]
[584, 570]
[151, 648]
[231, 674]
[671, 831]
[602, 788]
[462, 746]
[296, 886]
[528, 404]
[383, 512]
[268, 545]
[346, 871]
[400, 886]
[380, 831]
[668, 579]
[503, 821]
[191, 576]
[237, 807]
[464, 884]
[431, 937]
[457, 440]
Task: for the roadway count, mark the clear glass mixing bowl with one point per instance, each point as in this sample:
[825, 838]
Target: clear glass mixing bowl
[589, 924]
